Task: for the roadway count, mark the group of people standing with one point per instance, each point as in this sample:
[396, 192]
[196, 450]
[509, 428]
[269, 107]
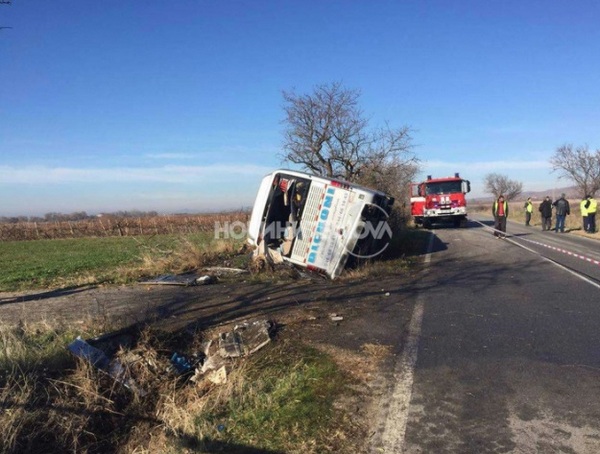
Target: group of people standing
[561, 209]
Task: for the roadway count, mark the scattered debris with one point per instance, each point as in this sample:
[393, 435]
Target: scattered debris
[171, 279]
[225, 270]
[336, 317]
[213, 363]
[182, 364]
[93, 355]
[245, 339]
[184, 280]
[98, 359]
[215, 368]
[219, 376]
[206, 280]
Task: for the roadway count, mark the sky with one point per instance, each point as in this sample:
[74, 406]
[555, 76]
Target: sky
[177, 105]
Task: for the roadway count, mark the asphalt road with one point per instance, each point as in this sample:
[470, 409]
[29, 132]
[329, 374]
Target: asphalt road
[503, 351]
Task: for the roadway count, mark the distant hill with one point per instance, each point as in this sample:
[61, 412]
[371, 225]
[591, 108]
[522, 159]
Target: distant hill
[570, 191]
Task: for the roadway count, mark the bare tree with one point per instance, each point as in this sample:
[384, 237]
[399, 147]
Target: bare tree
[497, 184]
[327, 134]
[580, 166]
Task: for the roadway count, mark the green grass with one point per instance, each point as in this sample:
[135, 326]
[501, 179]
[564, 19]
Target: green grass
[37, 263]
[65, 262]
[283, 402]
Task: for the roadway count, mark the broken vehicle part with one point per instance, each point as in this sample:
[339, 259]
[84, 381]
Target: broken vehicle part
[182, 364]
[171, 279]
[245, 339]
[98, 359]
[225, 270]
[206, 280]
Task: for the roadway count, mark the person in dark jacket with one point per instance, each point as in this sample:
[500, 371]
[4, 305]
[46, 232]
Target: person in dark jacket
[546, 213]
[500, 212]
[562, 211]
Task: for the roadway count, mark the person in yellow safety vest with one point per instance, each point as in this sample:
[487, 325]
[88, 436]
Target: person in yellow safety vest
[591, 207]
[584, 213]
[528, 210]
[500, 212]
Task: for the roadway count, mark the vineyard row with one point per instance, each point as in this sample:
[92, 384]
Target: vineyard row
[114, 226]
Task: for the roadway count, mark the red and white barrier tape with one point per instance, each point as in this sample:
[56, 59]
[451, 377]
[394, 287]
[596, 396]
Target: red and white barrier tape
[564, 251]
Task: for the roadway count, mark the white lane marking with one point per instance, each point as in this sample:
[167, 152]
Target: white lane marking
[397, 417]
[574, 273]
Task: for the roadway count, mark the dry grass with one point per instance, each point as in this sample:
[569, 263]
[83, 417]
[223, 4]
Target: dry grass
[15, 395]
[362, 366]
[281, 398]
[573, 222]
[185, 256]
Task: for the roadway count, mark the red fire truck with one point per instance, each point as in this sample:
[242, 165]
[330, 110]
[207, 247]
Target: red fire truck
[438, 200]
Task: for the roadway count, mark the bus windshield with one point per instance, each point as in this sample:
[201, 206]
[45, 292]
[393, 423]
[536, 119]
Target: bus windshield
[443, 187]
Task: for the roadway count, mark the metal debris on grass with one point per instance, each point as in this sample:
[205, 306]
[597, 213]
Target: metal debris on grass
[245, 339]
[206, 280]
[225, 270]
[171, 279]
[97, 358]
[214, 362]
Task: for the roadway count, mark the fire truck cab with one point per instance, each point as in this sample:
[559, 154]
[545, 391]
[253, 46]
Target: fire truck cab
[440, 200]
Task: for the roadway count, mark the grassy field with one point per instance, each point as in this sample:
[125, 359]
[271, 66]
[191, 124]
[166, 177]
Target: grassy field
[78, 261]
[60, 263]
[285, 398]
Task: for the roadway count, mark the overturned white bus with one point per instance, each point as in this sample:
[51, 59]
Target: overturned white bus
[318, 223]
